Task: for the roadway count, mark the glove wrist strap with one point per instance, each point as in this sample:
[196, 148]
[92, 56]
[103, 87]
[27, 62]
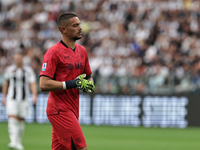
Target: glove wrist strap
[70, 84]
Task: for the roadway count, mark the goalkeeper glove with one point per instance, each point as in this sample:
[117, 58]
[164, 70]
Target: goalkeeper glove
[89, 88]
[86, 85]
[80, 83]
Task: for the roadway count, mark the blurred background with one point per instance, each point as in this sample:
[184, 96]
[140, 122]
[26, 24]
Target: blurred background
[144, 55]
[135, 47]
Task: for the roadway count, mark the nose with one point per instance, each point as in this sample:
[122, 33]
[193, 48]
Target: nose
[80, 28]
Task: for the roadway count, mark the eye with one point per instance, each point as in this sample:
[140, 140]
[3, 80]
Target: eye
[76, 25]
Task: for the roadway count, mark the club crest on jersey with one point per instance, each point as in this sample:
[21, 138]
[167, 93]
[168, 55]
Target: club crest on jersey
[82, 56]
[44, 66]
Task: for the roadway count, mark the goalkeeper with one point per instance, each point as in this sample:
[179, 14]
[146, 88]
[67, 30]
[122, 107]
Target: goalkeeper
[64, 71]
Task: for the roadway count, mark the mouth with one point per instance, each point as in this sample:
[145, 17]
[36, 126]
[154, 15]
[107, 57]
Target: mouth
[79, 33]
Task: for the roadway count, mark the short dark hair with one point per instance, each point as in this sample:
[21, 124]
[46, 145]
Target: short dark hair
[18, 51]
[65, 17]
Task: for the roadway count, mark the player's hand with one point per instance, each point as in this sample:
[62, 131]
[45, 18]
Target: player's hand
[4, 102]
[90, 87]
[79, 80]
[34, 99]
[86, 85]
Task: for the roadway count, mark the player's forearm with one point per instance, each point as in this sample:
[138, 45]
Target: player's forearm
[5, 88]
[90, 78]
[34, 89]
[50, 85]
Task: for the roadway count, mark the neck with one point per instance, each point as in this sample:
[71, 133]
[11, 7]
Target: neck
[70, 43]
[19, 65]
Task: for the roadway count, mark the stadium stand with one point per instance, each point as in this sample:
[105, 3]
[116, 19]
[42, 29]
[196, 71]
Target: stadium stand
[138, 46]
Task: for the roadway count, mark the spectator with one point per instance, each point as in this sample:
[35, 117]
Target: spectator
[118, 35]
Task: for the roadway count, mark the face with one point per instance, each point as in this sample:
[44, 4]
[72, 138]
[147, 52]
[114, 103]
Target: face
[73, 29]
[18, 59]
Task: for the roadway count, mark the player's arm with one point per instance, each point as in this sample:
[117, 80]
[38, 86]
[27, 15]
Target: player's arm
[4, 91]
[33, 87]
[48, 84]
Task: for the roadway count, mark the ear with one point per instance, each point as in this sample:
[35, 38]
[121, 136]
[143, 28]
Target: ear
[63, 29]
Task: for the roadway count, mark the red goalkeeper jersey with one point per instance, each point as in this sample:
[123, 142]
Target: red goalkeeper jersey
[61, 63]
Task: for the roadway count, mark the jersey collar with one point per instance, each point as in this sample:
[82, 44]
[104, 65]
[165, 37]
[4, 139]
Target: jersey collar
[66, 45]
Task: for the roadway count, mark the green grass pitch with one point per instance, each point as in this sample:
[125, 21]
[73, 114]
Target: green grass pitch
[38, 137]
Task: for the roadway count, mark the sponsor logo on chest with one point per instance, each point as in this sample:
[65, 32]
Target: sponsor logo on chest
[74, 65]
[80, 65]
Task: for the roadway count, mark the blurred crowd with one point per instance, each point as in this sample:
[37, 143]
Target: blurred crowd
[134, 46]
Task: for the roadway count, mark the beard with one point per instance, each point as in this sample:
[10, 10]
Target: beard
[77, 38]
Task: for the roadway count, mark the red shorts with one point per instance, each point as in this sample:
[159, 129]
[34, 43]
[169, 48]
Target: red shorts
[66, 132]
